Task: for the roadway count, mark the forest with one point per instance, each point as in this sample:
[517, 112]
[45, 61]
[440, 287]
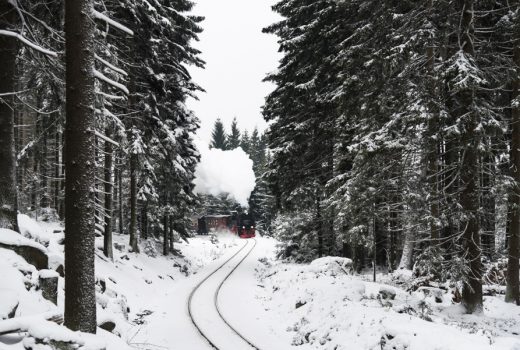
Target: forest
[97, 91]
[392, 148]
[394, 132]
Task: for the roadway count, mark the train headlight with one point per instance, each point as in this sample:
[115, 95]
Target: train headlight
[243, 227]
[252, 227]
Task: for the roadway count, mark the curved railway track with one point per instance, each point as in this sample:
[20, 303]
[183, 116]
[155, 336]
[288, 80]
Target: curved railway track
[216, 297]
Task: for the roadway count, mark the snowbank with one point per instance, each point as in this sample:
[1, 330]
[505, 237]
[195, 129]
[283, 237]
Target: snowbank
[225, 172]
[11, 238]
[321, 308]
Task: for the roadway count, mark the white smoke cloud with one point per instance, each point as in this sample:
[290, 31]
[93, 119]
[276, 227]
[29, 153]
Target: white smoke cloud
[224, 172]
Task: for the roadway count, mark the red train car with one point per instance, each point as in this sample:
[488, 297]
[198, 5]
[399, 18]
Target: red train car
[240, 224]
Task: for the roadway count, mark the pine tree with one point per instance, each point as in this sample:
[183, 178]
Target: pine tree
[8, 53]
[233, 139]
[513, 288]
[245, 143]
[80, 293]
[218, 136]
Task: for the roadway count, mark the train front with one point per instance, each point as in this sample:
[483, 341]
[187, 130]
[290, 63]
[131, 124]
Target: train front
[246, 226]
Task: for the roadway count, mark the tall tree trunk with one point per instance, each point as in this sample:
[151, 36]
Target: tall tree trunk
[319, 224]
[432, 147]
[133, 203]
[107, 241]
[57, 171]
[80, 292]
[488, 205]
[171, 233]
[165, 234]
[120, 197]
[144, 221]
[512, 288]
[64, 175]
[8, 52]
[469, 198]
[407, 255]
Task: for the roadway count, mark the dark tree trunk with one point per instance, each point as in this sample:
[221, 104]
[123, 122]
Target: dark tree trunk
[107, 241]
[57, 171]
[80, 292]
[8, 52]
[319, 225]
[512, 288]
[36, 187]
[144, 221]
[44, 164]
[165, 235]
[432, 147]
[469, 198]
[120, 199]
[488, 205]
[63, 168]
[133, 203]
[171, 233]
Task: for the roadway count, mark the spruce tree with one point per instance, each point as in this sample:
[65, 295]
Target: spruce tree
[513, 288]
[233, 139]
[245, 143]
[218, 136]
[8, 53]
[80, 289]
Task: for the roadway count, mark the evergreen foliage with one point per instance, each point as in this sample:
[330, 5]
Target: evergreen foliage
[233, 139]
[389, 124]
[219, 136]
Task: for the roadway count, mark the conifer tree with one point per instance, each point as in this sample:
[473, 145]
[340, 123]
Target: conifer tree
[233, 139]
[8, 53]
[513, 287]
[245, 143]
[80, 292]
[218, 136]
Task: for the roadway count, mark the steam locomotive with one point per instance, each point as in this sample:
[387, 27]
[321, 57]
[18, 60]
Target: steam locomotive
[241, 224]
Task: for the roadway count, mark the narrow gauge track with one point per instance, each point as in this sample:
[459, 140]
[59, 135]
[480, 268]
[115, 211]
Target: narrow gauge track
[216, 295]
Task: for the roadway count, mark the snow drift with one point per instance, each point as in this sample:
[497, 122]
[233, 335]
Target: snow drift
[225, 172]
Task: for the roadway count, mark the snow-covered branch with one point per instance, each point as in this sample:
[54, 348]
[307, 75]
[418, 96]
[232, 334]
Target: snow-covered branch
[110, 65]
[27, 42]
[107, 80]
[109, 96]
[105, 138]
[111, 22]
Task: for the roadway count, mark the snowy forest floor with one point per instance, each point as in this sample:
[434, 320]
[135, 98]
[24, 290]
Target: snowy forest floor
[275, 305]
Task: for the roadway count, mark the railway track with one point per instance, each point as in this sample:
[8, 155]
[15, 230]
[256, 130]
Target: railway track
[216, 293]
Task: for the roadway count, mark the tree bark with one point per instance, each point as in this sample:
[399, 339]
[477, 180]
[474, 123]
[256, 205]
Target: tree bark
[120, 198]
[319, 225]
[512, 287]
[432, 142]
[488, 206]
[57, 171]
[133, 203]
[109, 187]
[165, 234]
[8, 52]
[80, 292]
[407, 255]
[171, 233]
[469, 198]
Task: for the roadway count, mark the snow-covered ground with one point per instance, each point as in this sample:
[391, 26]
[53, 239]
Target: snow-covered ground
[319, 306]
[274, 305]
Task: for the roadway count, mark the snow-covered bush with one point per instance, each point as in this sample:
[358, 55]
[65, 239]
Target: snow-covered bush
[297, 235]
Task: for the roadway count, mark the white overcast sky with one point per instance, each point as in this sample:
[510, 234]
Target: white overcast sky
[238, 56]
